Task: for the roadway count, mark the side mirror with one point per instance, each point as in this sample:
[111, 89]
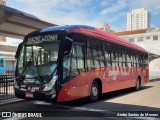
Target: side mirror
[18, 50]
[67, 45]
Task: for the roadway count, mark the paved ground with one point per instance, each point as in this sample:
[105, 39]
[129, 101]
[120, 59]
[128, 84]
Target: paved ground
[125, 101]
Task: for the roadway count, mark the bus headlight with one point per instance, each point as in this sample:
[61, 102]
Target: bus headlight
[51, 84]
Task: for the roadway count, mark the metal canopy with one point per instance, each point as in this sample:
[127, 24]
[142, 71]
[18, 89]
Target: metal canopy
[17, 24]
[153, 56]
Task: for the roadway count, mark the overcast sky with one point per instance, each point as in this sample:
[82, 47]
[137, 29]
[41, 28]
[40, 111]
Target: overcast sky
[87, 12]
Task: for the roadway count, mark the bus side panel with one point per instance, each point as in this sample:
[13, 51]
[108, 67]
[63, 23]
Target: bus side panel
[74, 89]
[123, 77]
[91, 76]
[114, 79]
[65, 93]
[131, 79]
[109, 82]
[145, 75]
[79, 89]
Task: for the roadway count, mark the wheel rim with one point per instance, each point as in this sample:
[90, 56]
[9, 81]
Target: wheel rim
[94, 91]
[137, 84]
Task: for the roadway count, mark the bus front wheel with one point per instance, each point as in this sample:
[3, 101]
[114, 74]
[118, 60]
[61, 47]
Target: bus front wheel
[94, 92]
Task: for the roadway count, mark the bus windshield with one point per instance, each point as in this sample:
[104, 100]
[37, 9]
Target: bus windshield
[38, 59]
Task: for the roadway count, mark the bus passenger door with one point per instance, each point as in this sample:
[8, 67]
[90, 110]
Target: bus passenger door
[78, 82]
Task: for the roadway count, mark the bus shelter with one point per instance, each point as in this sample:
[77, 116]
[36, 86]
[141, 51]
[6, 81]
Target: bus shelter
[17, 24]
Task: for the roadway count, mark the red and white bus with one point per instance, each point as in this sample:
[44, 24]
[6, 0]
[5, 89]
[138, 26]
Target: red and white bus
[65, 63]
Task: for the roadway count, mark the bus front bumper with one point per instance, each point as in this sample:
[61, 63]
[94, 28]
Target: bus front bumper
[35, 95]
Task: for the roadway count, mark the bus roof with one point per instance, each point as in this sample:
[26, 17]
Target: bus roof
[91, 31]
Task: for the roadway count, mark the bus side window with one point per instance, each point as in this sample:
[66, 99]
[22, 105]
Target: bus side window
[66, 68]
[117, 56]
[90, 64]
[108, 55]
[113, 57]
[146, 60]
[101, 56]
[138, 60]
[123, 58]
[128, 58]
[74, 66]
[120, 58]
[133, 59]
[95, 57]
[80, 58]
[77, 60]
[74, 71]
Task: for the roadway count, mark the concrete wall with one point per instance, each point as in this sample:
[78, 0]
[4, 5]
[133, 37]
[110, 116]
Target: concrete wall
[150, 45]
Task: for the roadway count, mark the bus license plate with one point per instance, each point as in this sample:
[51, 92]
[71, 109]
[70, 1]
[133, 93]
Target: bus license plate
[29, 95]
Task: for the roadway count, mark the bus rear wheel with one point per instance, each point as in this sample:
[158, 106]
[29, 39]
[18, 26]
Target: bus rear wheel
[138, 84]
[94, 92]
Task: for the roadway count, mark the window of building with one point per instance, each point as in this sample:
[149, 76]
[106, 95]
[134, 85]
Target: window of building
[140, 39]
[155, 37]
[148, 37]
[131, 39]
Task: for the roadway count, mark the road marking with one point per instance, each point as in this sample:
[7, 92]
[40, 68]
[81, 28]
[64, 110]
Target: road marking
[41, 103]
[50, 104]
[89, 109]
[73, 108]
[65, 106]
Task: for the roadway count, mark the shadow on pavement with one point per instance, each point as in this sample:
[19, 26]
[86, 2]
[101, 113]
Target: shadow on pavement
[106, 96]
[90, 109]
[155, 80]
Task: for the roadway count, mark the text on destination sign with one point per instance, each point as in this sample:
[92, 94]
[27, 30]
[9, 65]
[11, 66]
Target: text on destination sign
[43, 38]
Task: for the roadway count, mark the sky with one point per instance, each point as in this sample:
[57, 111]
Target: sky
[87, 12]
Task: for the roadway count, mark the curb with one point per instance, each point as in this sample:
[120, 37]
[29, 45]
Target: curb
[11, 101]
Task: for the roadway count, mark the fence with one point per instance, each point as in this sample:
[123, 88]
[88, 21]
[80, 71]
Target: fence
[6, 87]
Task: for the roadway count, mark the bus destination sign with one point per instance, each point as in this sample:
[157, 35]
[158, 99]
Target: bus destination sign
[42, 38]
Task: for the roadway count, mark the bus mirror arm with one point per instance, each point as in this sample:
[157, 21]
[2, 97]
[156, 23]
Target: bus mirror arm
[18, 50]
[68, 46]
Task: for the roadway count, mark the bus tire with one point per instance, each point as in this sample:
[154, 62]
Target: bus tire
[138, 84]
[94, 92]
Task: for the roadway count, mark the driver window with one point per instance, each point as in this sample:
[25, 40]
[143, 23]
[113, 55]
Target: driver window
[73, 64]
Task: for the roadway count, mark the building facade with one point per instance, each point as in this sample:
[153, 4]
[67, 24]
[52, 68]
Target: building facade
[138, 19]
[2, 38]
[148, 39]
[107, 28]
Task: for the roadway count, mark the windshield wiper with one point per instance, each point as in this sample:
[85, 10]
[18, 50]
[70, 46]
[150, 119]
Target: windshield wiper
[28, 64]
[37, 67]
